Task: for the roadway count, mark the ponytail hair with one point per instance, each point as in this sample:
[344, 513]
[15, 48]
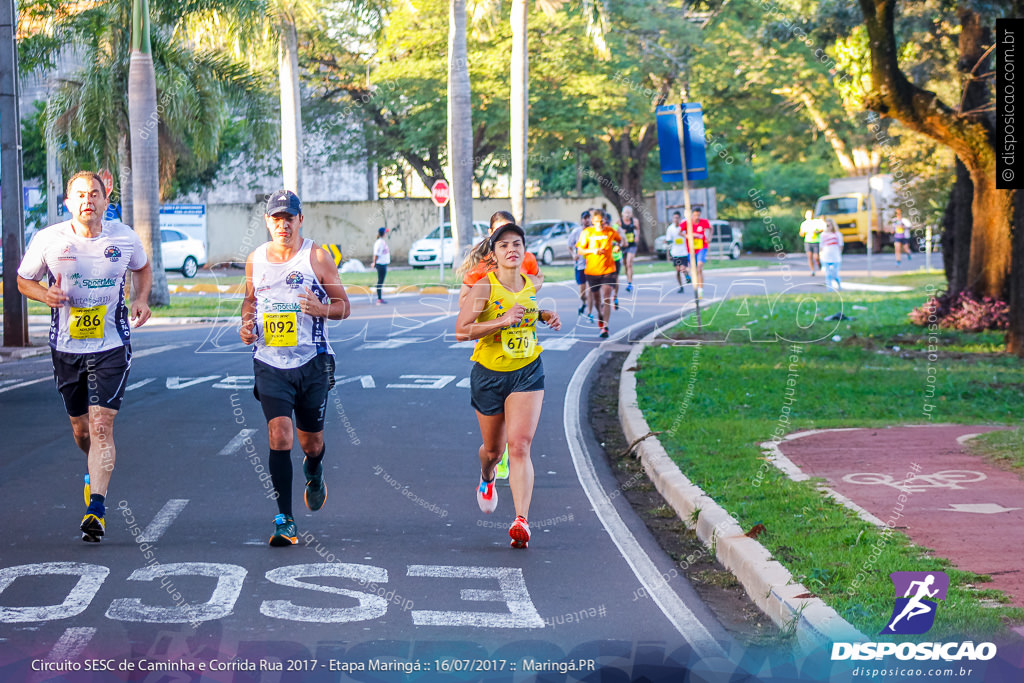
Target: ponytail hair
[482, 250]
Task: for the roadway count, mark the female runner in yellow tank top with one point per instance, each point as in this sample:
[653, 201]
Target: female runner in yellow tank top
[507, 382]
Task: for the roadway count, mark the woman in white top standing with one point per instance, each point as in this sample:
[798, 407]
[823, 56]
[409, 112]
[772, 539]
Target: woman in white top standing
[831, 251]
[381, 260]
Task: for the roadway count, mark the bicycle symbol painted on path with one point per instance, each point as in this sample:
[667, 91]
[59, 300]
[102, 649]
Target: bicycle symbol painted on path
[946, 479]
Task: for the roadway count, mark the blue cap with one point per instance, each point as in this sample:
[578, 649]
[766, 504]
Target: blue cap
[284, 201]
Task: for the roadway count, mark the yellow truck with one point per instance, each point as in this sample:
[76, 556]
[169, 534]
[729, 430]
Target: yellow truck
[855, 202]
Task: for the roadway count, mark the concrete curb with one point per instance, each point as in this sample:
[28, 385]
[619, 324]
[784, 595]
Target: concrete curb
[770, 585]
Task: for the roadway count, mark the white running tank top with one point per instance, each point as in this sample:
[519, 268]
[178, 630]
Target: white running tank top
[287, 337]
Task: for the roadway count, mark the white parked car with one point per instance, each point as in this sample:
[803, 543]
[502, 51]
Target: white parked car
[426, 251]
[181, 252]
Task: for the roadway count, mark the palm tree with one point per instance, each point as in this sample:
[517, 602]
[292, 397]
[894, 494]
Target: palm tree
[519, 76]
[460, 128]
[247, 34]
[291, 97]
[143, 122]
[201, 92]
[519, 108]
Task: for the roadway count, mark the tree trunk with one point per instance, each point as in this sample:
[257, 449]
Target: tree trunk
[968, 132]
[956, 231]
[143, 122]
[1015, 283]
[460, 129]
[630, 160]
[519, 108]
[291, 105]
[124, 178]
[992, 210]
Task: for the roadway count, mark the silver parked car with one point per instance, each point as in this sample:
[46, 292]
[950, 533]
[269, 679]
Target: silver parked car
[548, 239]
[726, 239]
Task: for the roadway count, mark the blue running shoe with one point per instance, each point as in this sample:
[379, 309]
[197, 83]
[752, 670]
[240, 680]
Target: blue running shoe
[316, 489]
[285, 533]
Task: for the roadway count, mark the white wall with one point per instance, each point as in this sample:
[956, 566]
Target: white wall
[236, 229]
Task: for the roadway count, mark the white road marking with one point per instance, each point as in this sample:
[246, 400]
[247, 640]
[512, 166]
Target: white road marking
[421, 323]
[237, 441]
[557, 343]
[423, 382]
[511, 591]
[25, 384]
[236, 382]
[370, 606]
[91, 576]
[155, 350]
[365, 380]
[71, 644]
[684, 620]
[182, 382]
[464, 383]
[981, 508]
[162, 520]
[139, 384]
[229, 587]
[389, 344]
[463, 345]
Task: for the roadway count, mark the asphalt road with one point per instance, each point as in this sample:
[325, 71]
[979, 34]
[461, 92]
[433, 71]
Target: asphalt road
[400, 568]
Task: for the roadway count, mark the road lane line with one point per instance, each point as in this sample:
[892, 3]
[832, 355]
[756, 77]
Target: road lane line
[177, 383]
[71, 644]
[673, 607]
[422, 323]
[155, 350]
[25, 384]
[236, 442]
[163, 519]
[140, 383]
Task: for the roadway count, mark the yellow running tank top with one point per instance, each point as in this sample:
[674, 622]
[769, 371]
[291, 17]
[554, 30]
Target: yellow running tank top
[510, 348]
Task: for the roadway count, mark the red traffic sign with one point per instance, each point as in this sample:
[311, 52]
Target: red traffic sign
[108, 179]
[440, 192]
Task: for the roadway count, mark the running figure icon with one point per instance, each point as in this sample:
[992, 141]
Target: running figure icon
[915, 606]
[917, 595]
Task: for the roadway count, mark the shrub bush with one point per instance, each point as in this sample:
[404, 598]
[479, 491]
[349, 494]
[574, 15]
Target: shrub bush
[965, 312]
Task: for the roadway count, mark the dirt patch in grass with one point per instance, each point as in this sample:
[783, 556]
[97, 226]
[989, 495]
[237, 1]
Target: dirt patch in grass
[715, 585]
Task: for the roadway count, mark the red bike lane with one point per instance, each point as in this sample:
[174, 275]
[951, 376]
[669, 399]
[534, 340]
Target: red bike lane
[958, 504]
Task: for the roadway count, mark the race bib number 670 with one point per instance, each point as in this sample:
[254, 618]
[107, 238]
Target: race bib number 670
[519, 342]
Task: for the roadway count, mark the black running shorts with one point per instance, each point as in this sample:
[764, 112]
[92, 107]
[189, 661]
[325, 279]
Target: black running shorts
[302, 390]
[595, 281]
[488, 389]
[92, 379]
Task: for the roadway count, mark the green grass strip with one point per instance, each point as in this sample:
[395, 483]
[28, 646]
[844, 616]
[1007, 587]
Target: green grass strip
[716, 402]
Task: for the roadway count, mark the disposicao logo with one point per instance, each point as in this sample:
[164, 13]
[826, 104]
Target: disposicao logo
[914, 612]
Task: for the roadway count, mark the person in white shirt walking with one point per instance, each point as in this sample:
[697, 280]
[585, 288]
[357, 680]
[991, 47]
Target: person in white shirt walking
[381, 261]
[831, 252]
